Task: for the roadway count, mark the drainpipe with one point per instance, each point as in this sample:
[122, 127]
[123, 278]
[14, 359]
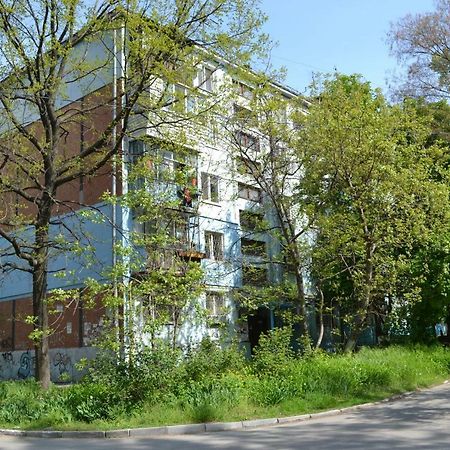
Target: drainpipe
[114, 179]
[114, 165]
[119, 56]
[128, 311]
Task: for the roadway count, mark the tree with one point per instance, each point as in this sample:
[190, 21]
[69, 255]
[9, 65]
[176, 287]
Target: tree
[439, 114]
[429, 272]
[159, 271]
[262, 143]
[55, 58]
[368, 165]
[422, 43]
[429, 261]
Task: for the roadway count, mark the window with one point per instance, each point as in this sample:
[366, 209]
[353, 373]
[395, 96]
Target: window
[136, 151]
[251, 220]
[249, 192]
[179, 229]
[282, 116]
[214, 245]
[247, 141]
[210, 187]
[179, 99]
[140, 223]
[215, 305]
[177, 166]
[252, 247]
[241, 114]
[163, 159]
[171, 230]
[254, 275]
[175, 228]
[205, 78]
[243, 90]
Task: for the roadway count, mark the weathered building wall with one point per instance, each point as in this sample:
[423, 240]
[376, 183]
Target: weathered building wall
[20, 364]
[74, 328]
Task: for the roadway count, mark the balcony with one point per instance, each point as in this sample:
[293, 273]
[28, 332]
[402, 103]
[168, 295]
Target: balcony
[173, 240]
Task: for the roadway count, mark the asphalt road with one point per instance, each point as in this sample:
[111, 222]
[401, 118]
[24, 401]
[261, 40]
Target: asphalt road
[420, 421]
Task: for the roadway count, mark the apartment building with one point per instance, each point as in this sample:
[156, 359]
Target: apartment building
[216, 212]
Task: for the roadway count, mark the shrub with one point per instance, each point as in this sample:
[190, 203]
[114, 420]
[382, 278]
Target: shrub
[92, 401]
[147, 374]
[206, 400]
[208, 382]
[209, 359]
[21, 402]
[273, 355]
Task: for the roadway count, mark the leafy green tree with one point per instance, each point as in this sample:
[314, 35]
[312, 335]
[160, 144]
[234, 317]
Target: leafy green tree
[429, 269]
[159, 273]
[429, 263]
[438, 113]
[368, 165]
[262, 140]
[49, 48]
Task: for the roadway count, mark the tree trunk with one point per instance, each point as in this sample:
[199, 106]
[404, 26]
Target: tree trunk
[351, 342]
[321, 325]
[302, 310]
[361, 315]
[357, 327]
[40, 308]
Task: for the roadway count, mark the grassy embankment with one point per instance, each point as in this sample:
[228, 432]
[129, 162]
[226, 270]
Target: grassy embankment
[219, 385]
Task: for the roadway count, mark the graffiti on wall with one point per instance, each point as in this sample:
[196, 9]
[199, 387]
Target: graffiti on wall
[63, 363]
[7, 357]
[6, 363]
[26, 365]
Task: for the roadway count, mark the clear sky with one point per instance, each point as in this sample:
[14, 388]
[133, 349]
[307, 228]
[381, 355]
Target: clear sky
[347, 35]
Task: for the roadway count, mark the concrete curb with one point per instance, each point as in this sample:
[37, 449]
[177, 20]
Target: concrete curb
[209, 427]
[259, 423]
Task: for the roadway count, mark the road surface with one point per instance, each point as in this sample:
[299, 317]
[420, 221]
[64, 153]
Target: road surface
[420, 421]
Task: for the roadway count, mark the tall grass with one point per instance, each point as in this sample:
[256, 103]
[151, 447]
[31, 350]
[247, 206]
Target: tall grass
[212, 384]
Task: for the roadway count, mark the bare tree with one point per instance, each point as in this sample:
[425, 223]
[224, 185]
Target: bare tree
[422, 43]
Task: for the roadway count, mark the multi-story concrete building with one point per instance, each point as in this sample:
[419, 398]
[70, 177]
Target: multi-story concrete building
[216, 215]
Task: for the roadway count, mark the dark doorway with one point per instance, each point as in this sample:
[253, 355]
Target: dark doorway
[258, 323]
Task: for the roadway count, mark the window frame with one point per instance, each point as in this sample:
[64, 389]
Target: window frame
[218, 312]
[214, 250]
[247, 141]
[247, 187]
[150, 309]
[248, 167]
[243, 90]
[206, 81]
[180, 100]
[208, 181]
[242, 114]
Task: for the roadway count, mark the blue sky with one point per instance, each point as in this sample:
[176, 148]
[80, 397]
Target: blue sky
[349, 35]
